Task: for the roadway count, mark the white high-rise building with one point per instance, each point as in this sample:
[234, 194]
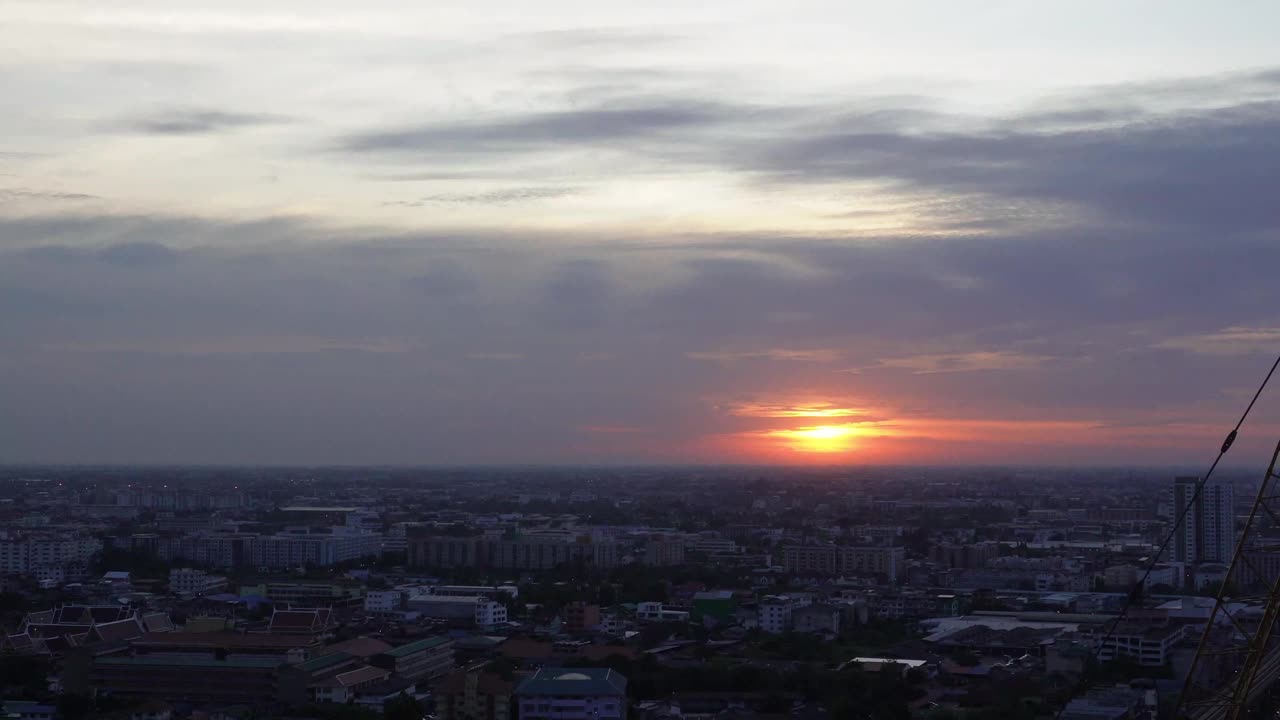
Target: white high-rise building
[1208, 532]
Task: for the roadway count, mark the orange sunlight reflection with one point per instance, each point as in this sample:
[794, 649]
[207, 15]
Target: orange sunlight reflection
[807, 410]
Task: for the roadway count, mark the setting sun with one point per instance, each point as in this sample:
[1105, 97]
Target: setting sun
[820, 438]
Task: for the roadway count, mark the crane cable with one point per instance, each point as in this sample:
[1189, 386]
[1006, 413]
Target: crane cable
[1135, 593]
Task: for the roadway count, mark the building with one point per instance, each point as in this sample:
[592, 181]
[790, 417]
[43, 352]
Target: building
[882, 560]
[490, 591]
[718, 605]
[1120, 577]
[46, 553]
[910, 604]
[1207, 533]
[967, 556]
[1120, 702]
[1263, 568]
[775, 612]
[422, 659]
[816, 619]
[378, 602]
[336, 677]
[302, 621]
[664, 551]
[524, 553]
[184, 500]
[711, 545]
[215, 550]
[294, 550]
[473, 611]
[317, 515]
[311, 593]
[244, 680]
[811, 559]
[474, 695]
[573, 694]
[186, 581]
[1150, 646]
[656, 612]
[580, 617]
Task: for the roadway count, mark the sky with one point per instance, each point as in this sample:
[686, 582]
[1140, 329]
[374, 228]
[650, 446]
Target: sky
[568, 232]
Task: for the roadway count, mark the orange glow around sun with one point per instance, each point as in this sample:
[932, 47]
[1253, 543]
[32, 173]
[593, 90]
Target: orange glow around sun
[821, 438]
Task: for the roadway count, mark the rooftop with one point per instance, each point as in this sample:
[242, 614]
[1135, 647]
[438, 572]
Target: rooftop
[363, 674]
[361, 647]
[241, 662]
[317, 664]
[418, 646]
[574, 681]
[223, 640]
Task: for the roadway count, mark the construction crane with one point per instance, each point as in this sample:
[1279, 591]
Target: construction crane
[1238, 658]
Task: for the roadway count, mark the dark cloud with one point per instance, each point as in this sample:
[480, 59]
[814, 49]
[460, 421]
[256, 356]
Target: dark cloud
[197, 122]
[1215, 170]
[441, 280]
[138, 254]
[1174, 154]
[17, 194]
[1103, 265]
[546, 130]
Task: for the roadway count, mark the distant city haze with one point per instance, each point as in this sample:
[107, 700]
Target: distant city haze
[753, 232]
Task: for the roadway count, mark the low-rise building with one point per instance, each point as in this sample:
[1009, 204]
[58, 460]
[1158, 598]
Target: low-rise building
[651, 612]
[573, 694]
[581, 617]
[819, 618]
[663, 551]
[188, 581]
[383, 601]
[474, 695]
[775, 612]
[466, 611]
[1149, 645]
[423, 659]
[888, 561]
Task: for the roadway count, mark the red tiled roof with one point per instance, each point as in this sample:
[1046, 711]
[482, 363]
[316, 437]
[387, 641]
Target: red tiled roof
[157, 622]
[224, 640]
[118, 631]
[486, 683]
[361, 647]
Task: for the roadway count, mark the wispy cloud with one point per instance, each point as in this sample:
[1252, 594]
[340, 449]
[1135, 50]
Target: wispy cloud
[783, 410]
[273, 345]
[1228, 341]
[613, 123]
[504, 196]
[999, 360]
[612, 429]
[817, 355]
[15, 194]
[196, 122]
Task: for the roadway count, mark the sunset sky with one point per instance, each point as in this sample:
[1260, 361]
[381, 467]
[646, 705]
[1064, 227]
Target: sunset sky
[749, 232]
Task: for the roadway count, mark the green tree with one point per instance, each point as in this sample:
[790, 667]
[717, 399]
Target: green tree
[402, 707]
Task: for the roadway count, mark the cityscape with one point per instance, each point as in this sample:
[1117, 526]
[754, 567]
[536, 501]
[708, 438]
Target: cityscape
[563, 360]
[581, 593]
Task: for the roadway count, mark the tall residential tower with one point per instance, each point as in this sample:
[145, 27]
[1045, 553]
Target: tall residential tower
[1207, 533]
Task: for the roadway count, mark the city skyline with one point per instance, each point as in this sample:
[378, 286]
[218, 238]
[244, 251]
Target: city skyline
[814, 234]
